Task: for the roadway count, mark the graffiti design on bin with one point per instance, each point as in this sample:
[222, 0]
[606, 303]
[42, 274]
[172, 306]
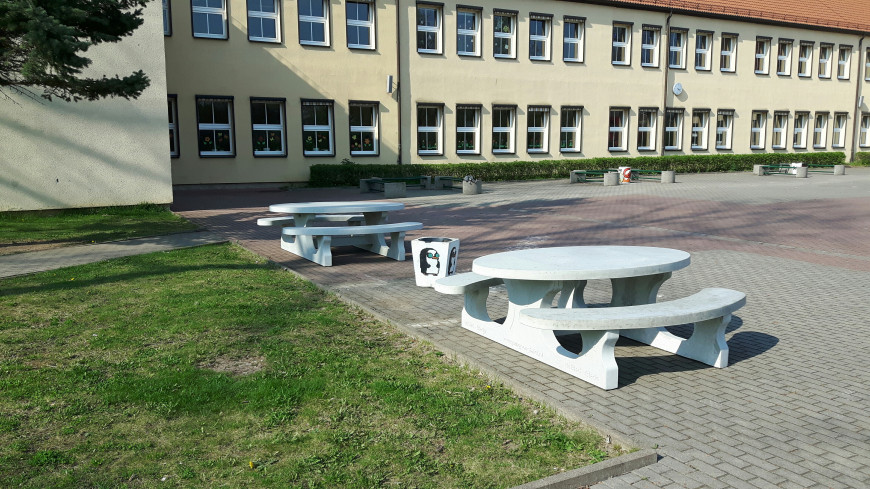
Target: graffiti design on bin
[429, 260]
[451, 263]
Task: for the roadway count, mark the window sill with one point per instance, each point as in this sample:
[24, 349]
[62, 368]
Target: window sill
[466, 152]
[469, 55]
[270, 155]
[317, 155]
[265, 40]
[617, 150]
[569, 60]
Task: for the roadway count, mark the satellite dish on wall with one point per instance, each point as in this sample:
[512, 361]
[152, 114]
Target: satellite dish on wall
[678, 88]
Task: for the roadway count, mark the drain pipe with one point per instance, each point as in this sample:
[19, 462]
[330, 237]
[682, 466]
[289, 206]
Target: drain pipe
[399, 82]
[666, 43]
[857, 118]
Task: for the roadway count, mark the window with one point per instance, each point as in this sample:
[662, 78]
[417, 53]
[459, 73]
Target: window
[621, 52]
[677, 49]
[572, 47]
[780, 128]
[844, 62]
[649, 46]
[167, 19]
[504, 34]
[468, 32]
[783, 57]
[820, 130]
[646, 128]
[172, 102]
[724, 121]
[360, 25]
[805, 59]
[539, 36]
[674, 129]
[800, 130]
[616, 137]
[468, 129]
[503, 118]
[700, 122]
[570, 129]
[214, 119]
[864, 137]
[428, 28]
[825, 51]
[209, 18]
[867, 65]
[839, 138]
[363, 118]
[758, 129]
[429, 117]
[263, 21]
[538, 124]
[317, 139]
[703, 44]
[267, 127]
[728, 53]
[313, 19]
[762, 55]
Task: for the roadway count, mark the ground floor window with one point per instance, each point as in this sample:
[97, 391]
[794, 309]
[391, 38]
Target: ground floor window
[839, 138]
[429, 136]
[646, 129]
[864, 139]
[700, 122]
[267, 127]
[538, 122]
[570, 130]
[363, 128]
[759, 125]
[724, 122]
[820, 130]
[468, 129]
[503, 128]
[214, 119]
[317, 128]
[780, 126]
[674, 129]
[800, 130]
[616, 137]
[172, 102]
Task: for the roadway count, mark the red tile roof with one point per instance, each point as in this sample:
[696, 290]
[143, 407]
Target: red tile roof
[851, 15]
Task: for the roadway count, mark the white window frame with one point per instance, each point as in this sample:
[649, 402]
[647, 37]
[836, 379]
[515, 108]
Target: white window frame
[473, 34]
[725, 142]
[647, 122]
[209, 11]
[260, 14]
[864, 137]
[576, 42]
[758, 129]
[474, 130]
[510, 129]
[762, 55]
[728, 57]
[540, 39]
[649, 46]
[437, 129]
[172, 103]
[825, 53]
[820, 130]
[844, 63]
[543, 129]
[576, 129]
[278, 127]
[783, 57]
[703, 53]
[167, 18]
[313, 19]
[805, 59]
[620, 131]
[867, 64]
[701, 129]
[216, 126]
[511, 36]
[801, 122]
[838, 138]
[780, 130]
[319, 127]
[363, 128]
[674, 131]
[677, 50]
[430, 29]
[623, 46]
[366, 24]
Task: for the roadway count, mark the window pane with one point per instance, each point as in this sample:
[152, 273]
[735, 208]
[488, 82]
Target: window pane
[269, 29]
[215, 24]
[200, 23]
[258, 113]
[205, 112]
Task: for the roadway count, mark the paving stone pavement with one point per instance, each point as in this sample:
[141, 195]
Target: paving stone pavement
[790, 410]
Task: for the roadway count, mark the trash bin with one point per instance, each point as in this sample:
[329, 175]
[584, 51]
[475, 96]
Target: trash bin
[624, 174]
[434, 258]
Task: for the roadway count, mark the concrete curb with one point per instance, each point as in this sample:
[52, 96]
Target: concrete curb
[591, 474]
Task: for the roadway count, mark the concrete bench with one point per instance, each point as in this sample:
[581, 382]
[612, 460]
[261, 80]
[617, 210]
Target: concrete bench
[447, 183]
[350, 219]
[583, 176]
[394, 187]
[663, 176]
[315, 243]
[476, 290]
[710, 311]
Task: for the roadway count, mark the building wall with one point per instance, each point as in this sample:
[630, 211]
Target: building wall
[108, 152]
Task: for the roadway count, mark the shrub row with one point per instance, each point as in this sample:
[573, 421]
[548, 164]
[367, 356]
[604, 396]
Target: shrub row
[349, 173]
[862, 159]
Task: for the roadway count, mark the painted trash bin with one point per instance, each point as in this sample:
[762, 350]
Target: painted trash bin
[434, 258]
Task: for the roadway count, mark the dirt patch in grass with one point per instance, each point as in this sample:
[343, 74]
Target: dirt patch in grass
[235, 366]
[11, 249]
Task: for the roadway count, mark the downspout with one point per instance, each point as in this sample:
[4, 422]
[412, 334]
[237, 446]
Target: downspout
[857, 118]
[399, 82]
[667, 44]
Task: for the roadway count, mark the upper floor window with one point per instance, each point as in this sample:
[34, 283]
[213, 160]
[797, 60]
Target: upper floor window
[825, 51]
[724, 124]
[620, 54]
[167, 18]
[646, 128]
[703, 43]
[758, 129]
[572, 45]
[363, 118]
[844, 60]
[800, 130]
[267, 127]
[214, 119]
[263, 21]
[503, 128]
[820, 130]
[539, 36]
[313, 22]
[617, 135]
[538, 127]
[649, 46]
[360, 25]
[570, 129]
[783, 57]
[677, 49]
[468, 129]
[728, 53]
[318, 134]
[839, 138]
[428, 28]
[674, 129]
[172, 102]
[700, 124]
[762, 55]
[209, 18]
[867, 65]
[429, 129]
[780, 128]
[468, 32]
[805, 59]
[504, 32]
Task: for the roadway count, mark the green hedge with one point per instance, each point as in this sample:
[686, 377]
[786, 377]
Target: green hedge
[349, 173]
[862, 159]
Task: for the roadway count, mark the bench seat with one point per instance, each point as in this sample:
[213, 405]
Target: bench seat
[315, 243]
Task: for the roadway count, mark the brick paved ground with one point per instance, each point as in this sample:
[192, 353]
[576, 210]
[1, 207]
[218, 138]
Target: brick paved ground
[791, 410]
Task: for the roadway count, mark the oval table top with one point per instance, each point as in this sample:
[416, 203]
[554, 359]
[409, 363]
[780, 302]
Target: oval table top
[580, 262]
[336, 207]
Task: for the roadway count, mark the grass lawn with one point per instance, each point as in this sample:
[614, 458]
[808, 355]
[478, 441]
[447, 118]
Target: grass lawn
[208, 367]
[76, 226]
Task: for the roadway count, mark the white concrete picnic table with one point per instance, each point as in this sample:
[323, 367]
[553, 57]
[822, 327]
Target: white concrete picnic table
[374, 212]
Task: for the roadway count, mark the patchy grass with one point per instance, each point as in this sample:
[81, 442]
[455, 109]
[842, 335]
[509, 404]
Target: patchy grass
[207, 367]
